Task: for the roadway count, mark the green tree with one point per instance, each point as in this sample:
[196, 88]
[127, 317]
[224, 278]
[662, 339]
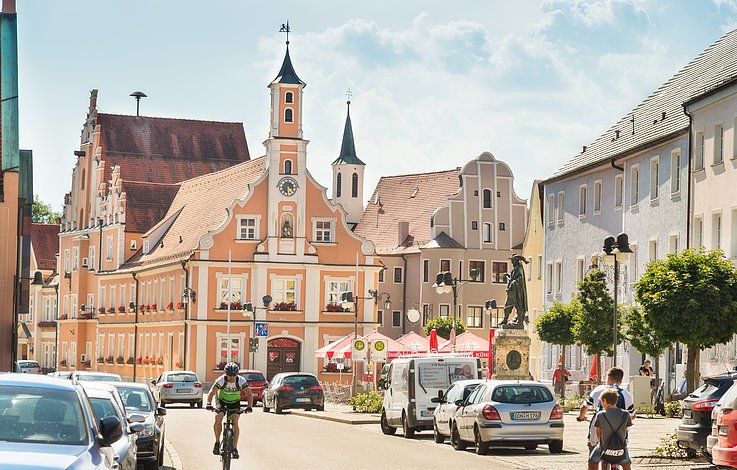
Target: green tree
[556, 327]
[690, 297]
[641, 335]
[42, 213]
[594, 327]
[443, 326]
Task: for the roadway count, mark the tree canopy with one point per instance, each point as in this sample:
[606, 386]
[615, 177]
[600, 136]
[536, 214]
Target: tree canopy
[639, 333]
[443, 326]
[556, 325]
[594, 320]
[42, 213]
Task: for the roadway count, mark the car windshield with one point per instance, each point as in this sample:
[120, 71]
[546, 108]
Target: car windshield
[41, 415]
[181, 378]
[135, 399]
[103, 407]
[99, 378]
[27, 364]
[254, 377]
[521, 394]
[300, 381]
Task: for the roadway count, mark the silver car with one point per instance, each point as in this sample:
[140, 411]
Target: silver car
[446, 409]
[25, 366]
[180, 386]
[509, 413]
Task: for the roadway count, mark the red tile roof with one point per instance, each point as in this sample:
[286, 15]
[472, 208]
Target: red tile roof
[395, 200]
[146, 204]
[45, 242]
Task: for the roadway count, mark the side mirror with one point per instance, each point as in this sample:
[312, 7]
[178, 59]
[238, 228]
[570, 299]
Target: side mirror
[436, 400]
[161, 411]
[136, 418]
[136, 427]
[153, 382]
[440, 395]
[111, 430]
[459, 402]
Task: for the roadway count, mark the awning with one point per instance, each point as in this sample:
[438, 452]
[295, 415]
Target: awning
[341, 349]
[414, 342]
[468, 342]
[329, 350]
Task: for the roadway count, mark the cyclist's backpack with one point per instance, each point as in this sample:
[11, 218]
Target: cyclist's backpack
[613, 450]
[621, 404]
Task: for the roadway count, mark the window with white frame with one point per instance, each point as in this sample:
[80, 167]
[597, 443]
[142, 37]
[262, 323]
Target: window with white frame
[31, 297]
[111, 345]
[653, 250]
[582, 200]
[487, 232]
[123, 297]
[549, 279]
[284, 290]
[673, 242]
[109, 254]
[288, 115]
[248, 227]
[73, 354]
[558, 276]
[635, 185]
[171, 289]
[654, 178]
[561, 207]
[121, 346]
[716, 230]
[425, 270]
[131, 341]
[381, 274]
[92, 262]
[618, 190]
[474, 317]
[444, 310]
[335, 288]
[380, 317]
[529, 269]
[112, 297]
[698, 232]
[597, 197]
[675, 172]
[180, 347]
[397, 275]
[539, 266]
[67, 261]
[699, 151]
[718, 144]
[323, 230]
[230, 289]
[235, 348]
[75, 258]
[162, 293]
[551, 208]
[155, 293]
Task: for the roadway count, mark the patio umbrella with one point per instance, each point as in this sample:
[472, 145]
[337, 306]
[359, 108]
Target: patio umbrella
[594, 372]
[468, 342]
[331, 350]
[415, 342]
[433, 343]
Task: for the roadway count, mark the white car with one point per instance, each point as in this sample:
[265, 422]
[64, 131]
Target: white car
[181, 386]
[446, 410]
[27, 367]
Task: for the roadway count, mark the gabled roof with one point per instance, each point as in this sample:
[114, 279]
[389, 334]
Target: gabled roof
[348, 147]
[45, 242]
[660, 116]
[405, 198]
[442, 240]
[146, 204]
[200, 205]
[286, 73]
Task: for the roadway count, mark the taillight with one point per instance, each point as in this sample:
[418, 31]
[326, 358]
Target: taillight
[284, 388]
[704, 405]
[168, 385]
[557, 412]
[316, 387]
[197, 385]
[491, 413]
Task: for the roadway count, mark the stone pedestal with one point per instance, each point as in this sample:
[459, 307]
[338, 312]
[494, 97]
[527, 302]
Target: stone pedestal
[511, 355]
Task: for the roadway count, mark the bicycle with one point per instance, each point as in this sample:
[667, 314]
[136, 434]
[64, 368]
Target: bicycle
[226, 443]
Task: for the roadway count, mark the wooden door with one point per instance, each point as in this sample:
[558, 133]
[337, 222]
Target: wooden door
[283, 356]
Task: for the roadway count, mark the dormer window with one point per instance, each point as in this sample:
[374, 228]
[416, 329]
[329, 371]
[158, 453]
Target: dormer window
[145, 247]
[289, 97]
[288, 115]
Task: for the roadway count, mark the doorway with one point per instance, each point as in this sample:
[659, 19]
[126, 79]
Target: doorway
[283, 356]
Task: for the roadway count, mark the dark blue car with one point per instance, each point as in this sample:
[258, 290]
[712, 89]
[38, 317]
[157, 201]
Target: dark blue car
[48, 423]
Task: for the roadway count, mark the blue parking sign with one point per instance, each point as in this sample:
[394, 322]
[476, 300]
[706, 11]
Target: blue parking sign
[262, 329]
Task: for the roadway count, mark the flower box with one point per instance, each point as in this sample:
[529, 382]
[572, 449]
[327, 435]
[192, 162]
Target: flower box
[62, 317]
[109, 359]
[111, 310]
[336, 308]
[87, 316]
[121, 309]
[63, 363]
[285, 306]
[139, 361]
[130, 361]
[179, 365]
[233, 306]
[120, 360]
[101, 310]
[159, 361]
[46, 324]
[149, 308]
[153, 307]
[87, 364]
[170, 306]
[180, 305]
[141, 308]
[100, 360]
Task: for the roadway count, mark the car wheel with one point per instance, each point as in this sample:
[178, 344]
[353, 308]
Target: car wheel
[199, 404]
[530, 446]
[192, 405]
[555, 447]
[482, 448]
[407, 431]
[439, 438]
[277, 409]
[455, 439]
[264, 407]
[385, 428]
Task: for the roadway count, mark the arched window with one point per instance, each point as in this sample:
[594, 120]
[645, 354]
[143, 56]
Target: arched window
[338, 185]
[288, 115]
[487, 199]
[289, 97]
[354, 185]
[287, 167]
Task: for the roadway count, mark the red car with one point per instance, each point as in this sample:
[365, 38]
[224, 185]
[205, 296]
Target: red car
[724, 451]
[256, 381]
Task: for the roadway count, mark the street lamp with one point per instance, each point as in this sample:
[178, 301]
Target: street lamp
[445, 283]
[188, 295]
[614, 252]
[376, 295]
[249, 308]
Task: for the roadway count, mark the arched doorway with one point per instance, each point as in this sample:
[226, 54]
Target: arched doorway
[283, 356]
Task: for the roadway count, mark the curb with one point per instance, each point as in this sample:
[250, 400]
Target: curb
[174, 459]
[337, 419]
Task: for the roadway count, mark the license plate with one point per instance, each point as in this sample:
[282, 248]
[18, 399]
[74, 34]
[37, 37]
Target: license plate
[184, 390]
[303, 400]
[525, 415]
[723, 430]
[687, 414]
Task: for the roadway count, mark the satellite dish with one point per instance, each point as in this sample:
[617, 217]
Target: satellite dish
[413, 315]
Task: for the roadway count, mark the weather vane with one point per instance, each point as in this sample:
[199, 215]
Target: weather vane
[285, 29]
[348, 94]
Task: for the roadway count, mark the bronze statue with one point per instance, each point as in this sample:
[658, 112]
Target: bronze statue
[516, 294]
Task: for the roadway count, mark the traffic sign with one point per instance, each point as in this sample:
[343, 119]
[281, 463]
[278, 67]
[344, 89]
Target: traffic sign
[359, 349]
[378, 350]
[262, 329]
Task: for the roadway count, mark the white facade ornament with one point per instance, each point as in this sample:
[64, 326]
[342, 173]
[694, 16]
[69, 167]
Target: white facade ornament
[367, 247]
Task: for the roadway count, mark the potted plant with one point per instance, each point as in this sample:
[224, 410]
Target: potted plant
[111, 310]
[180, 305]
[120, 360]
[109, 359]
[285, 306]
[101, 310]
[88, 364]
[335, 308]
[121, 309]
[170, 306]
[141, 308]
[63, 363]
[139, 361]
[100, 360]
[179, 364]
[62, 317]
[160, 361]
[153, 307]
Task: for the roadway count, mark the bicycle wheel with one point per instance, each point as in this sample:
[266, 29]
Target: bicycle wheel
[227, 447]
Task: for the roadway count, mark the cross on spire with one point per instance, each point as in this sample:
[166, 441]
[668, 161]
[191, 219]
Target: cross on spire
[285, 29]
[348, 94]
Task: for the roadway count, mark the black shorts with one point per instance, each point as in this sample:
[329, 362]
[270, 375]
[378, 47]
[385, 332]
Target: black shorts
[230, 406]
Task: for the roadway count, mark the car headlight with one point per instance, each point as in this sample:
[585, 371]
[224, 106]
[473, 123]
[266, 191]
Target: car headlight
[148, 431]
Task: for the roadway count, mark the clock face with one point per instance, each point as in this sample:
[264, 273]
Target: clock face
[287, 186]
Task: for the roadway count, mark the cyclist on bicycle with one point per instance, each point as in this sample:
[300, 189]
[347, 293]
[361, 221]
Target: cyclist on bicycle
[228, 388]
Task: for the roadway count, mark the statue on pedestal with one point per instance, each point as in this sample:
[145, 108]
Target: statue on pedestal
[516, 295]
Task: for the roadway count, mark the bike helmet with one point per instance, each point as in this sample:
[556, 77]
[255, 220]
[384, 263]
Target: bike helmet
[231, 368]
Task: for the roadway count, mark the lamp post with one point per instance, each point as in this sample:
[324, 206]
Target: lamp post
[249, 308]
[445, 283]
[615, 251]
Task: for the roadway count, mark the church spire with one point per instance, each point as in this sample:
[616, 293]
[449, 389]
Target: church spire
[348, 147]
[287, 75]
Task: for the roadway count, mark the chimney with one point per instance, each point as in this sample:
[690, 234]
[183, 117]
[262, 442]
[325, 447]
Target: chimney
[584, 149]
[93, 100]
[402, 232]
[663, 116]
[9, 6]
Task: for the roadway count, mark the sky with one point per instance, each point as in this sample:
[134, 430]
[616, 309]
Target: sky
[434, 83]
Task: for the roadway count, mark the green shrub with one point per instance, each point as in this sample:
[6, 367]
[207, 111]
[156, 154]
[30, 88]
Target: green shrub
[673, 409]
[645, 410]
[367, 402]
[668, 448]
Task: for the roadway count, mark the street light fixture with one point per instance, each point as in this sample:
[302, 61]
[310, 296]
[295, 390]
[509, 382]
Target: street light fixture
[248, 307]
[189, 294]
[444, 284]
[376, 295]
[614, 252]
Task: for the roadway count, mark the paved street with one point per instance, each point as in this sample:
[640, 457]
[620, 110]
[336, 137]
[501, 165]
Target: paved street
[290, 440]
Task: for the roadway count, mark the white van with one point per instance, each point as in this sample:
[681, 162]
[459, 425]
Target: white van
[411, 385]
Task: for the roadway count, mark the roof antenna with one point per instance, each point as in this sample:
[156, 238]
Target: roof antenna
[138, 95]
[285, 29]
